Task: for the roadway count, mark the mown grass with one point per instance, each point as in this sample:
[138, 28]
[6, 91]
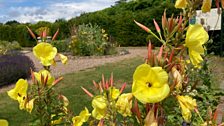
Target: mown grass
[70, 87]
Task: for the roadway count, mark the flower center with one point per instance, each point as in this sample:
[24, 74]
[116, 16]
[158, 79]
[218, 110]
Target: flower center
[149, 84]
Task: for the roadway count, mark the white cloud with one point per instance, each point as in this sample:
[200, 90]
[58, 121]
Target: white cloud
[55, 11]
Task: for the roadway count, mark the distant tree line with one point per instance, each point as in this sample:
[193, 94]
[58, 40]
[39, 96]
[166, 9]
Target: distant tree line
[116, 20]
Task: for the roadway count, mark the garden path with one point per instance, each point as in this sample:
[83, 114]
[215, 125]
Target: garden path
[81, 63]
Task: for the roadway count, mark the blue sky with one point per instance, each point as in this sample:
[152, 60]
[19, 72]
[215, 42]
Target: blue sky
[48, 10]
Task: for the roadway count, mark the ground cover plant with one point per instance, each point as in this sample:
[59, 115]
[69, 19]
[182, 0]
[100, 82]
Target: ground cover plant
[171, 87]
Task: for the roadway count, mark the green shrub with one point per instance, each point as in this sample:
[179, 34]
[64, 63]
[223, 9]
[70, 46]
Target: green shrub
[6, 46]
[61, 45]
[90, 40]
[13, 67]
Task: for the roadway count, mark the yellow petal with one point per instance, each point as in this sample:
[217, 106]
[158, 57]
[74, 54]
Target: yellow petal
[181, 4]
[99, 102]
[99, 113]
[45, 74]
[29, 105]
[64, 59]
[114, 93]
[195, 35]
[3, 122]
[187, 104]
[45, 52]
[147, 94]
[57, 121]
[124, 104]
[206, 6]
[150, 84]
[195, 58]
[84, 115]
[77, 121]
[19, 90]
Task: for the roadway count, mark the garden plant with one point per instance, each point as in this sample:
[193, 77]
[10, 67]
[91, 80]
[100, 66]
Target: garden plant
[166, 89]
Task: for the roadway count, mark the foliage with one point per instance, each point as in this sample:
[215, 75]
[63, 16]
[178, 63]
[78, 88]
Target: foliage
[90, 40]
[61, 45]
[13, 67]
[6, 46]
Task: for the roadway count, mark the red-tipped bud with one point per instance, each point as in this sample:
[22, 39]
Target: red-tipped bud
[55, 34]
[87, 92]
[111, 80]
[156, 26]
[180, 21]
[95, 84]
[103, 81]
[45, 81]
[123, 87]
[106, 84]
[160, 53]
[100, 87]
[44, 34]
[164, 20]
[57, 81]
[136, 110]
[142, 26]
[149, 50]
[42, 79]
[171, 57]
[31, 33]
[170, 24]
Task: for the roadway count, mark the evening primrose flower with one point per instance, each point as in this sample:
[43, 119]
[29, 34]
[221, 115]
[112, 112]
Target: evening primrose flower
[150, 84]
[3, 122]
[56, 121]
[181, 4]
[45, 52]
[45, 74]
[187, 104]
[64, 59]
[114, 93]
[206, 6]
[196, 36]
[26, 105]
[19, 91]
[100, 106]
[124, 104]
[83, 117]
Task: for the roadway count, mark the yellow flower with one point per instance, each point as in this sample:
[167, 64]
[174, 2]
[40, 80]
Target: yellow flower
[26, 105]
[45, 52]
[19, 91]
[124, 104]
[206, 6]
[56, 121]
[100, 106]
[150, 84]
[181, 4]
[45, 74]
[187, 104]
[64, 59]
[196, 36]
[83, 117]
[114, 93]
[3, 122]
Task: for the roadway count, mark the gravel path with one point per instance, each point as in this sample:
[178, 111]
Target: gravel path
[80, 63]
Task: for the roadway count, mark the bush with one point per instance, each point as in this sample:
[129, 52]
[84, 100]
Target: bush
[61, 45]
[13, 67]
[90, 40]
[6, 46]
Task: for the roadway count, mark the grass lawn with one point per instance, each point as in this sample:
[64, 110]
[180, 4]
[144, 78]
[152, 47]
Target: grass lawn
[70, 87]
